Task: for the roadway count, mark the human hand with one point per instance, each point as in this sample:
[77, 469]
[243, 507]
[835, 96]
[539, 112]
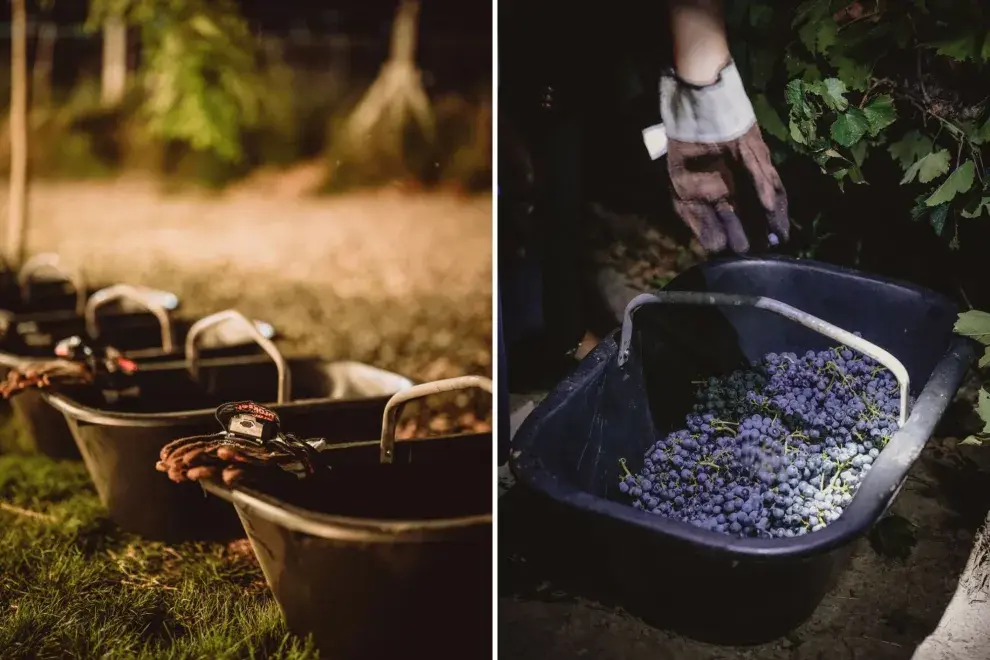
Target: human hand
[713, 140]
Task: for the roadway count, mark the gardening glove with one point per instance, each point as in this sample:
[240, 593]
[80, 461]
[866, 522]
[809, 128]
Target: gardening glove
[205, 457]
[713, 138]
[250, 447]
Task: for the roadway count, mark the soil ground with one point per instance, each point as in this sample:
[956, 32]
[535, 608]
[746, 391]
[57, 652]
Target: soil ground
[892, 595]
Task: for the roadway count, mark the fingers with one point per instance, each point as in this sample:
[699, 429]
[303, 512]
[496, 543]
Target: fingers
[232, 475]
[755, 157]
[734, 231]
[202, 472]
[704, 223]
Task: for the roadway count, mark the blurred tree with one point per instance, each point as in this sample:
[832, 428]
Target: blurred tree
[17, 216]
[396, 99]
[201, 70]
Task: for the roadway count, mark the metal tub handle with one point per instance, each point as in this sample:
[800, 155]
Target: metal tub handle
[807, 320]
[232, 315]
[51, 262]
[133, 294]
[390, 417]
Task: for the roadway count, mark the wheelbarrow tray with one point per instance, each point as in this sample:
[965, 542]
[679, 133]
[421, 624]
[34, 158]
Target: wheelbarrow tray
[708, 585]
[138, 331]
[120, 444]
[382, 561]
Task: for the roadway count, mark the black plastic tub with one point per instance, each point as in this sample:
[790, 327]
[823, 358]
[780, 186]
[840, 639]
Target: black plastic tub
[707, 585]
[43, 283]
[383, 560]
[120, 443]
[145, 336]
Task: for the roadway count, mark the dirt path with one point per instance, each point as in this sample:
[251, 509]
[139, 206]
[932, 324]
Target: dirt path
[399, 280]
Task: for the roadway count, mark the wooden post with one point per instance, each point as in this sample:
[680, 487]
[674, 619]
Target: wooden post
[114, 77]
[17, 219]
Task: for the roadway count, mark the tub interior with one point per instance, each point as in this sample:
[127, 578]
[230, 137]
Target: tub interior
[169, 387]
[430, 479]
[605, 416]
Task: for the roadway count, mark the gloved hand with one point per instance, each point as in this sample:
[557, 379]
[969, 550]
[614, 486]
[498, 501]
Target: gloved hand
[713, 137]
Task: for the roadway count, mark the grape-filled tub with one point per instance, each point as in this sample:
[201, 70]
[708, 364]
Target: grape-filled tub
[638, 385]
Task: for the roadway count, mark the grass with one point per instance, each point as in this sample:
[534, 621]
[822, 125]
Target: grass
[73, 585]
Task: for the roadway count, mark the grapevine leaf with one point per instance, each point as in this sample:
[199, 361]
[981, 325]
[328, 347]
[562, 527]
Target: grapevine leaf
[880, 113]
[794, 93]
[972, 440]
[854, 73]
[833, 90]
[975, 210]
[974, 324]
[858, 151]
[984, 410]
[910, 148]
[850, 127]
[981, 134]
[959, 181]
[961, 48]
[928, 168]
[768, 118]
[819, 35]
[985, 359]
[938, 217]
[828, 34]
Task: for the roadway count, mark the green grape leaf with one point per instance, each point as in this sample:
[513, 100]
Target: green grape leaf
[768, 118]
[928, 168]
[958, 182]
[910, 148]
[854, 73]
[975, 209]
[832, 91]
[819, 35]
[858, 151]
[938, 217]
[961, 48]
[971, 440]
[974, 324]
[979, 135]
[850, 127]
[985, 359]
[795, 95]
[983, 408]
[880, 113]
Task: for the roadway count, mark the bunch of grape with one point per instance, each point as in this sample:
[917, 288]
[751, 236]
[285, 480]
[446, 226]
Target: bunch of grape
[776, 451]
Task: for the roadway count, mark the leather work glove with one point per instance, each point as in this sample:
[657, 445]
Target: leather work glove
[713, 138]
[205, 457]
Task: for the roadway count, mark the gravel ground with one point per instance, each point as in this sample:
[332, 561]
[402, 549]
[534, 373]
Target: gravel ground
[399, 280]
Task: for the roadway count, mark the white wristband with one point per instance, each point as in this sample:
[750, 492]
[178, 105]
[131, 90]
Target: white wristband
[719, 112]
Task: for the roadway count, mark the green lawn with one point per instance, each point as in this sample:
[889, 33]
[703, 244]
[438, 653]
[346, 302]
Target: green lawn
[73, 585]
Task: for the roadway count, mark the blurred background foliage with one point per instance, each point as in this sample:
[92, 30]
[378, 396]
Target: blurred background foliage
[212, 97]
